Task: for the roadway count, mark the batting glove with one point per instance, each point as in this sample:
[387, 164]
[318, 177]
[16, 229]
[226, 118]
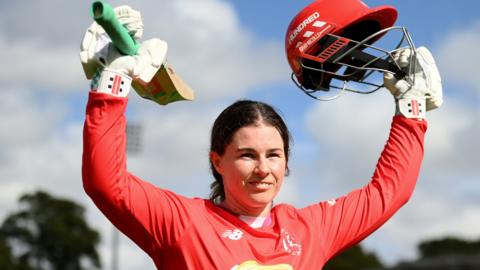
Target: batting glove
[110, 71]
[422, 90]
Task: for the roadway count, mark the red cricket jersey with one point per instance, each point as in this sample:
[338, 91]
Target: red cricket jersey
[184, 233]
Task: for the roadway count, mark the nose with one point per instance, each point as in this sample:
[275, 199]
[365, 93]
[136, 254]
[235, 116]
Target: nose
[262, 169]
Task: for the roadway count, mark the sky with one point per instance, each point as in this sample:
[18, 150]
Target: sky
[227, 50]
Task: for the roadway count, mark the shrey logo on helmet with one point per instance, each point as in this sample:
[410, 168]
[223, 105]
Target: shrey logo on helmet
[329, 43]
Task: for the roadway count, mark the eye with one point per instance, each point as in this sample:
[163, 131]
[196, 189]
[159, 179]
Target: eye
[274, 155]
[247, 155]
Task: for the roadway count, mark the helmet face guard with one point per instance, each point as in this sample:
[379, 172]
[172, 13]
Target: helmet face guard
[329, 47]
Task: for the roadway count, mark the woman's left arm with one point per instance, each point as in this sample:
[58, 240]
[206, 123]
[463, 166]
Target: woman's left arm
[349, 219]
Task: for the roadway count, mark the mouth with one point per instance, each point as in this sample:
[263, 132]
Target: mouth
[259, 185]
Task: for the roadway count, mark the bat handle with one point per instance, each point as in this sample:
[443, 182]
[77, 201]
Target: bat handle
[104, 15]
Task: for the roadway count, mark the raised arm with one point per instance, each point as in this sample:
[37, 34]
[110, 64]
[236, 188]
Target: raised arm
[141, 211]
[349, 219]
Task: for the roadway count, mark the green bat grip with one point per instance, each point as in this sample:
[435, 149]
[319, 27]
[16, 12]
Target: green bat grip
[104, 15]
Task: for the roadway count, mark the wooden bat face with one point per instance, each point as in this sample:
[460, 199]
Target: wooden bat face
[165, 87]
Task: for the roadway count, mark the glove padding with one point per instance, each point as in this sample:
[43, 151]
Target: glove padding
[92, 49]
[97, 51]
[140, 67]
[424, 83]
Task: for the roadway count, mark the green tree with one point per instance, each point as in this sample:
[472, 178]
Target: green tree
[50, 233]
[354, 258]
[448, 246]
[6, 258]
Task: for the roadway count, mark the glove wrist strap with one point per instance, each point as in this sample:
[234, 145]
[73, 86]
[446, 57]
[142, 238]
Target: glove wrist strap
[111, 82]
[411, 107]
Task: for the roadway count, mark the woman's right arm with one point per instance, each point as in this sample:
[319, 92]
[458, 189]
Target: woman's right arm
[150, 216]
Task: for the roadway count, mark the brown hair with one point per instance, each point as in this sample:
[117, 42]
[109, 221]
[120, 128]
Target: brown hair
[240, 114]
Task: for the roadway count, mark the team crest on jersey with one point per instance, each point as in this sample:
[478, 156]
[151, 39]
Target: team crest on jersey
[290, 245]
[235, 234]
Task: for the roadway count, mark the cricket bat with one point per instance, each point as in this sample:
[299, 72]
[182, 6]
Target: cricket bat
[166, 86]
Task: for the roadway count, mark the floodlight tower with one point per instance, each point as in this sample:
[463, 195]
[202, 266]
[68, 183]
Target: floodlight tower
[134, 147]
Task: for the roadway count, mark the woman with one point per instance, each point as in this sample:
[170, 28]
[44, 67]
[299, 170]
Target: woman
[239, 227]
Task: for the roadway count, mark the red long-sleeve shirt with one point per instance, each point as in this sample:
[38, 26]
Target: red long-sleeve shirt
[193, 233]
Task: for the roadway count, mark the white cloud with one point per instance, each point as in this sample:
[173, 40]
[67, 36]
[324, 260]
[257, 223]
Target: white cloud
[458, 57]
[24, 119]
[51, 23]
[451, 139]
[212, 51]
[32, 65]
[351, 132]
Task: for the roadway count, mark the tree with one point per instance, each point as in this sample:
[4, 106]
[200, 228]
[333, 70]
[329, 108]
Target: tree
[448, 246]
[354, 258]
[445, 253]
[50, 233]
[6, 258]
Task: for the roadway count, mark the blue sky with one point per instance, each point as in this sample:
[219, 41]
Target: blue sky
[228, 50]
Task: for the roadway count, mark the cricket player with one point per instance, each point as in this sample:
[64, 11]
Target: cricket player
[239, 226]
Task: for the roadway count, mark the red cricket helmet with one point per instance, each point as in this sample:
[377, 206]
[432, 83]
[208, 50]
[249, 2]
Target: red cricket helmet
[328, 39]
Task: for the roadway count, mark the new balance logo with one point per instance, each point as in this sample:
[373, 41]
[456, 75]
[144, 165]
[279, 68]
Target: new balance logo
[233, 234]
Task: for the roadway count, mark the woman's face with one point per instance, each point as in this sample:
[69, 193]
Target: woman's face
[253, 168]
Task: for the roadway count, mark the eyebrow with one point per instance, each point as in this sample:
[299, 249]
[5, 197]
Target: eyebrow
[248, 149]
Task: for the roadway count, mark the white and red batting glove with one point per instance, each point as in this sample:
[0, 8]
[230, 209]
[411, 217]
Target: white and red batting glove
[110, 71]
[422, 90]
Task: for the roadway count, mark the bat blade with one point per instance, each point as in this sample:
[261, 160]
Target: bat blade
[165, 87]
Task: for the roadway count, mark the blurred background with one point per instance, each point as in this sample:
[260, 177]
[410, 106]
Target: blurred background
[228, 50]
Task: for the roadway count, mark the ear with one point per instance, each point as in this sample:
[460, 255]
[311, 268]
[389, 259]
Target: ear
[287, 169]
[215, 158]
